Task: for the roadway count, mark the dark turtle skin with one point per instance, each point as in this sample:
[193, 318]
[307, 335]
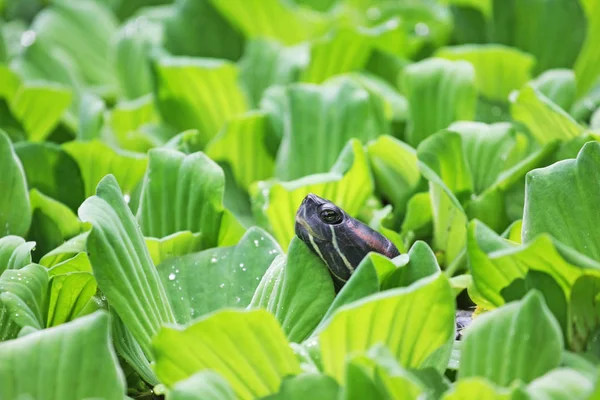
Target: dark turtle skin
[342, 242]
[338, 239]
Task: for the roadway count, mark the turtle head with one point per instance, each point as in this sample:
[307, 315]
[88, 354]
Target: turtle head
[314, 218]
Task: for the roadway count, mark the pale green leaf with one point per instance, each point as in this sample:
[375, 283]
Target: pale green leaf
[52, 222]
[586, 66]
[297, 289]
[181, 193]
[476, 388]
[499, 69]
[14, 252]
[545, 120]
[558, 85]
[510, 337]
[267, 62]
[495, 262]
[69, 294]
[79, 263]
[198, 93]
[130, 350]
[560, 200]
[320, 120]
[561, 384]
[127, 120]
[341, 51]
[52, 171]
[241, 143]
[231, 343]
[39, 107]
[15, 212]
[411, 334]
[96, 160]
[439, 92]
[132, 45]
[200, 283]
[122, 264]
[272, 19]
[29, 366]
[177, 244]
[65, 251]
[395, 170]
[23, 293]
[206, 385]
[83, 30]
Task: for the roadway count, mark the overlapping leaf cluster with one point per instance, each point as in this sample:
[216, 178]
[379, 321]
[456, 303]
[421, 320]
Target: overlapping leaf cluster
[153, 154]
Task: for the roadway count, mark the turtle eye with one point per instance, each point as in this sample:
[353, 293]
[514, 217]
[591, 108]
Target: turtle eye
[330, 216]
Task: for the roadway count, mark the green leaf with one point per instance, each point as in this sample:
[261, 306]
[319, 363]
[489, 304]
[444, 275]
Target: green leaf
[395, 170]
[476, 388]
[69, 294]
[319, 122]
[272, 19]
[168, 195]
[418, 221]
[122, 264]
[254, 366]
[422, 263]
[266, 63]
[199, 283]
[91, 117]
[368, 279]
[539, 29]
[196, 28]
[44, 62]
[241, 143]
[297, 289]
[443, 154]
[499, 69]
[439, 92]
[411, 334]
[558, 85]
[583, 313]
[52, 171]
[28, 365]
[489, 150]
[15, 212]
[305, 385]
[198, 93]
[83, 30]
[340, 51]
[130, 350]
[127, 121]
[545, 120]
[96, 160]
[39, 107]
[79, 263]
[348, 185]
[15, 253]
[560, 201]
[52, 222]
[512, 329]
[586, 66]
[65, 251]
[177, 244]
[495, 262]
[132, 47]
[561, 384]
[206, 385]
[23, 293]
[449, 224]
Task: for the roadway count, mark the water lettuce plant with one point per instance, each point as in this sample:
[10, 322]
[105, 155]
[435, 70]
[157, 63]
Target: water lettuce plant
[153, 154]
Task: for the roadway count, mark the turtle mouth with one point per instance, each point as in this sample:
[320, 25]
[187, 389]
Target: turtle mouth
[306, 212]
